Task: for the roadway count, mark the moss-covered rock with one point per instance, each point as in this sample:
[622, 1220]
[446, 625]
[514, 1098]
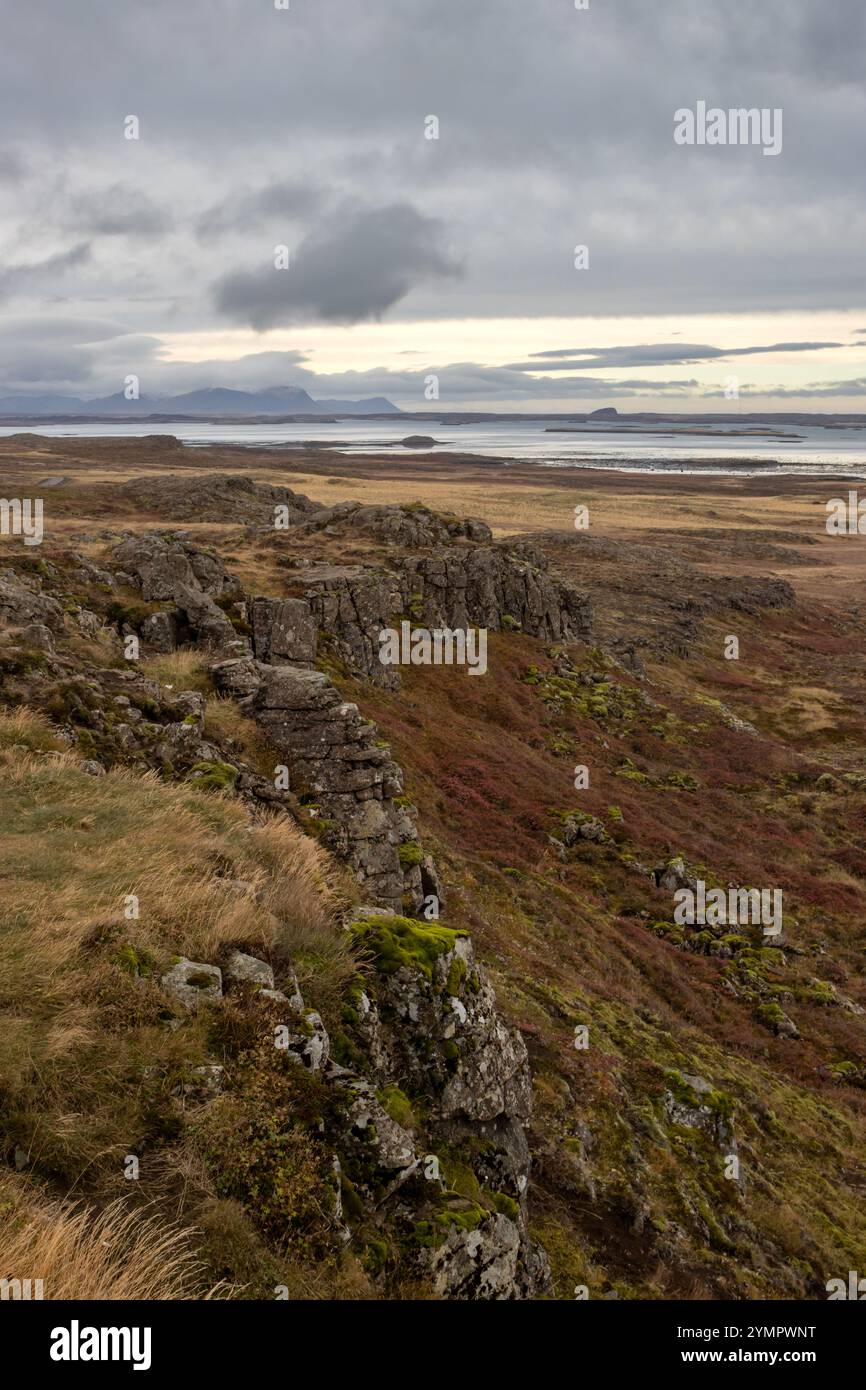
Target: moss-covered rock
[395, 942]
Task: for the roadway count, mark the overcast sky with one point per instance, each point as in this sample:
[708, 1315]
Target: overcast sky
[306, 128]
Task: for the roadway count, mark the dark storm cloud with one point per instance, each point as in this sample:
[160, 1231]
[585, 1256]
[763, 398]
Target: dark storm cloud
[353, 268]
[21, 279]
[118, 211]
[246, 207]
[48, 349]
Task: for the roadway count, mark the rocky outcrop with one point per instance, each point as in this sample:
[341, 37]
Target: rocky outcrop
[430, 1026]
[496, 587]
[343, 775]
[434, 1071]
[751, 595]
[351, 788]
[412, 527]
[351, 605]
[162, 564]
[219, 497]
[166, 569]
[22, 603]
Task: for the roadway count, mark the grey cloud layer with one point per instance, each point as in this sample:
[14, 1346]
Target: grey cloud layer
[352, 268]
[307, 126]
[39, 275]
[650, 355]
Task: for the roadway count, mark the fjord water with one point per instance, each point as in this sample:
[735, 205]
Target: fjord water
[805, 449]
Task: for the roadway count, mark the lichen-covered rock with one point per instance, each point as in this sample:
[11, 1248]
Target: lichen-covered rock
[238, 677]
[351, 604]
[384, 1144]
[241, 969]
[207, 623]
[161, 631]
[482, 1263]
[283, 630]
[428, 987]
[168, 569]
[673, 875]
[193, 983]
[304, 1037]
[23, 603]
[694, 1103]
[429, 1024]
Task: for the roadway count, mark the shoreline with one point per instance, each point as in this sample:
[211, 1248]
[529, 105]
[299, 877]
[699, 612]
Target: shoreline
[312, 454]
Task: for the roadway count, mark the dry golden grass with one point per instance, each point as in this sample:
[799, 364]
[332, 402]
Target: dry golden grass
[227, 724]
[103, 648]
[81, 1012]
[180, 670]
[305, 892]
[28, 729]
[117, 1253]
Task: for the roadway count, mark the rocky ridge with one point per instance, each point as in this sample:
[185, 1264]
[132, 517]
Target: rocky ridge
[427, 1021]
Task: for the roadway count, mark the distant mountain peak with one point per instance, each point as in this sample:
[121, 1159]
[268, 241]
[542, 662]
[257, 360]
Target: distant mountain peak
[205, 400]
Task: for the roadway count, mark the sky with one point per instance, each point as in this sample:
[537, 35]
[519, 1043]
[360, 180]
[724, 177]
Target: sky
[285, 218]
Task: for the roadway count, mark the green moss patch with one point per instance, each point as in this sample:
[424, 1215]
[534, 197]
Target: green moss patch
[399, 941]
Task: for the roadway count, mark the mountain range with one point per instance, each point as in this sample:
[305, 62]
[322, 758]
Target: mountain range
[212, 400]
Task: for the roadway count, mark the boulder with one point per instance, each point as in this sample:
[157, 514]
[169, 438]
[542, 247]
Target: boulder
[193, 983]
[22, 604]
[241, 969]
[283, 631]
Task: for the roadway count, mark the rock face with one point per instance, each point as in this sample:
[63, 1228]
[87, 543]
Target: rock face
[346, 779]
[22, 603]
[166, 569]
[283, 630]
[413, 527]
[483, 1074]
[430, 1026]
[427, 1039]
[490, 586]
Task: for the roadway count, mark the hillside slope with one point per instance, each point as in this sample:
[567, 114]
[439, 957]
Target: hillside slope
[696, 1119]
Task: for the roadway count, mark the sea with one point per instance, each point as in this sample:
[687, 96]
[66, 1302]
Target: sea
[670, 447]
